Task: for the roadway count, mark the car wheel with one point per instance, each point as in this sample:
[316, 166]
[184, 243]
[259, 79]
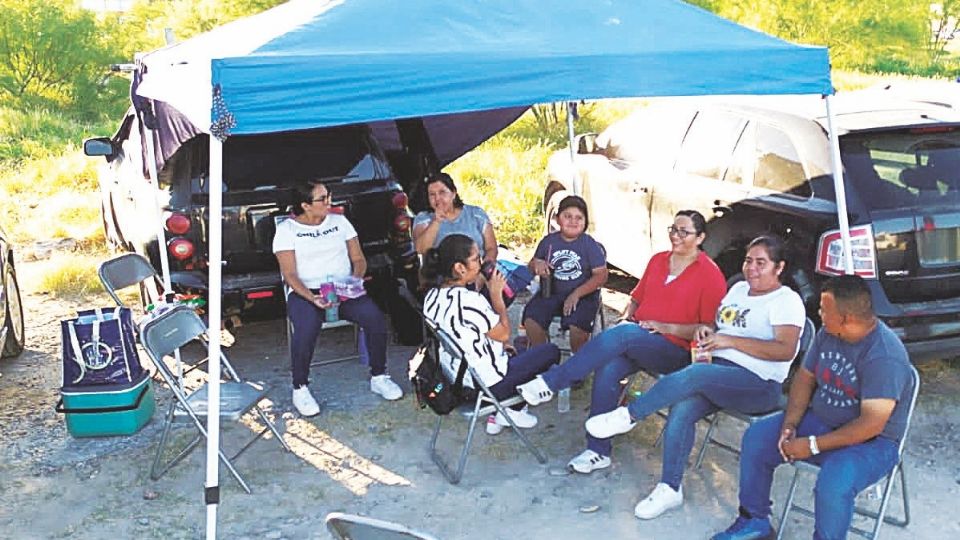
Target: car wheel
[552, 209]
[14, 321]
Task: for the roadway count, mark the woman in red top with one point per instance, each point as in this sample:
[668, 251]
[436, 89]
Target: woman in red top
[679, 291]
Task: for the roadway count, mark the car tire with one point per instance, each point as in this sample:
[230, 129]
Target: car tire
[14, 315]
[552, 209]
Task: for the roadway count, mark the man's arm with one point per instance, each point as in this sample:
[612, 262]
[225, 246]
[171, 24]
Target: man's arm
[801, 390]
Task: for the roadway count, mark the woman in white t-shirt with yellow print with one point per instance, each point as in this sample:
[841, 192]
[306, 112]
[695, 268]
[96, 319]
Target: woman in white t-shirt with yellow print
[312, 246]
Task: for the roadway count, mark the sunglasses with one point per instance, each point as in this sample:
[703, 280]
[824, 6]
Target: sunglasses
[323, 198]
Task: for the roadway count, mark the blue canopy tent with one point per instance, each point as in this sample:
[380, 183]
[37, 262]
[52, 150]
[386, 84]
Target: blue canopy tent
[311, 63]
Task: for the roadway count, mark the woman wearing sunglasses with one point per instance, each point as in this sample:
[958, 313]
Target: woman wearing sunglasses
[313, 246]
[680, 290]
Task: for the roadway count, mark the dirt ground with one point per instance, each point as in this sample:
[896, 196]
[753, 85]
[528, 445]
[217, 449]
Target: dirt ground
[366, 456]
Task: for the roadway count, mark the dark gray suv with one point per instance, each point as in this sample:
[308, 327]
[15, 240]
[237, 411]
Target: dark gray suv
[763, 164]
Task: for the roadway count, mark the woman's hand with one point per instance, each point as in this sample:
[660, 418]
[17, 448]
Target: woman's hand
[320, 302]
[702, 334]
[495, 283]
[570, 303]
[715, 341]
[540, 267]
[442, 214]
[654, 327]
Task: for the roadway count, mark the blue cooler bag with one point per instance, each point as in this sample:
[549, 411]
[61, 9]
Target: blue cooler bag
[99, 347]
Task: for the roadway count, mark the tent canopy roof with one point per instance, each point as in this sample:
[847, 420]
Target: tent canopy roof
[310, 63]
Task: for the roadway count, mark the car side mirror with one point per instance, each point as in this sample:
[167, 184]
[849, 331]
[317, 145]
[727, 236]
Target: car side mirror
[99, 146]
[586, 143]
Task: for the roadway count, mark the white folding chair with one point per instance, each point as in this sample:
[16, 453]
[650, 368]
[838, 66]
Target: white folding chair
[484, 405]
[352, 527]
[170, 331]
[878, 516]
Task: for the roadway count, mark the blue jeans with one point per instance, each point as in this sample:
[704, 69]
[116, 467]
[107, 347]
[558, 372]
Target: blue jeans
[614, 354]
[524, 367]
[844, 472]
[694, 392]
[307, 319]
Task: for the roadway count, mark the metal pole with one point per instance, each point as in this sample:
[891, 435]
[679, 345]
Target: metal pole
[215, 245]
[575, 181]
[155, 185]
[839, 190]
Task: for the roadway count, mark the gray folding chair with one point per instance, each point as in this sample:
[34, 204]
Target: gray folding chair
[353, 527]
[484, 404]
[170, 331]
[125, 271]
[326, 326]
[806, 339]
[878, 516]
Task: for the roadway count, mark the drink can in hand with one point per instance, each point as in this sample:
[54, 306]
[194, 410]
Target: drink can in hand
[700, 354]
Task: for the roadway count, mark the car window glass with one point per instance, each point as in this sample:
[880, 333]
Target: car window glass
[744, 158]
[708, 146]
[652, 132]
[905, 168]
[778, 164]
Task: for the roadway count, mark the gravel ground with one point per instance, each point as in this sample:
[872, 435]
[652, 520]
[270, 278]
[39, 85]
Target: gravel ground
[362, 455]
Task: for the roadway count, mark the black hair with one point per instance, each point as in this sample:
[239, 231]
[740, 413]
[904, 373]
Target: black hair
[446, 180]
[438, 262]
[575, 201]
[852, 295]
[774, 247]
[303, 194]
[699, 222]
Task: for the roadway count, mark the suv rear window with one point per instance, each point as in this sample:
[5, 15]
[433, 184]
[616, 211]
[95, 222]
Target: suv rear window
[915, 167]
[284, 159]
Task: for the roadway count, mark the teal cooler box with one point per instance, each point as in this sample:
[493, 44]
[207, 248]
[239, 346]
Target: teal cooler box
[107, 409]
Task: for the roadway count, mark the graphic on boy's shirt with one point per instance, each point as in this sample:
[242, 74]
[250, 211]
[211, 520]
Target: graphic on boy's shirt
[836, 377]
[566, 265]
[732, 316]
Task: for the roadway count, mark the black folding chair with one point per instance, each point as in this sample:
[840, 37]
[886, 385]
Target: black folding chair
[170, 331]
[879, 517]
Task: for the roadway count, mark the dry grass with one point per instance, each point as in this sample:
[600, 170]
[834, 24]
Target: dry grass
[71, 275]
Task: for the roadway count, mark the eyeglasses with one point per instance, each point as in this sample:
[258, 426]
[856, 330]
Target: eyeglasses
[681, 233]
[323, 198]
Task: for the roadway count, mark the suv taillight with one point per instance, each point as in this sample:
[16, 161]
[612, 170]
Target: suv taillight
[400, 200]
[180, 248]
[830, 252]
[402, 223]
[177, 223]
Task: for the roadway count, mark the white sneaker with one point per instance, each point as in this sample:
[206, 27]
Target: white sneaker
[522, 419]
[536, 391]
[606, 425]
[304, 402]
[662, 498]
[588, 461]
[385, 387]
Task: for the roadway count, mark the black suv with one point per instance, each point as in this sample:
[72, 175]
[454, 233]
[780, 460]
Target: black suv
[259, 172]
[763, 164]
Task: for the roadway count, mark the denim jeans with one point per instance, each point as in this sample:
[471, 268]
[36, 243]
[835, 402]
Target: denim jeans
[524, 367]
[844, 472]
[307, 319]
[694, 392]
[614, 354]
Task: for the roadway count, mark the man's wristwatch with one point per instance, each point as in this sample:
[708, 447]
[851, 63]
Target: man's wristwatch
[814, 449]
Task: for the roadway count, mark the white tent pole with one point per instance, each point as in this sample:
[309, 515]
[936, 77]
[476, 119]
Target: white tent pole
[573, 151]
[839, 190]
[215, 246]
[155, 184]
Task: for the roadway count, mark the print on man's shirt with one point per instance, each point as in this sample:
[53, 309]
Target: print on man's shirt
[732, 316]
[836, 376]
[566, 265]
[318, 234]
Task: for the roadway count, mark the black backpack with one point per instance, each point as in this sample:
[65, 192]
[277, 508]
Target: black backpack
[430, 383]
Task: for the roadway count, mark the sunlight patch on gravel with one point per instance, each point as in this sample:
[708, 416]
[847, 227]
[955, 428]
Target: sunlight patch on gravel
[353, 471]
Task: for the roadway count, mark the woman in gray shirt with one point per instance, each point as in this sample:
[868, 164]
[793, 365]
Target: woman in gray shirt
[451, 216]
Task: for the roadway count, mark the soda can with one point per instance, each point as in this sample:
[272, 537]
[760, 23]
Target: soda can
[700, 354]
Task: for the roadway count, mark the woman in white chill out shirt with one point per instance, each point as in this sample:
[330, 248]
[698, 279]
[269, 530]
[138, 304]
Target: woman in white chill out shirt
[312, 246]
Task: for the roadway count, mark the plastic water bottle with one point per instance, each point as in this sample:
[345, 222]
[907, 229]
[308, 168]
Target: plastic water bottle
[362, 348]
[563, 401]
[329, 294]
[521, 342]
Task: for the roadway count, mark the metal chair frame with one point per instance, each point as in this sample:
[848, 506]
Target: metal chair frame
[352, 527]
[325, 326]
[484, 404]
[160, 337]
[878, 516]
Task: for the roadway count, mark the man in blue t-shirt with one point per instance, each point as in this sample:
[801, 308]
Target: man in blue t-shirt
[847, 412]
